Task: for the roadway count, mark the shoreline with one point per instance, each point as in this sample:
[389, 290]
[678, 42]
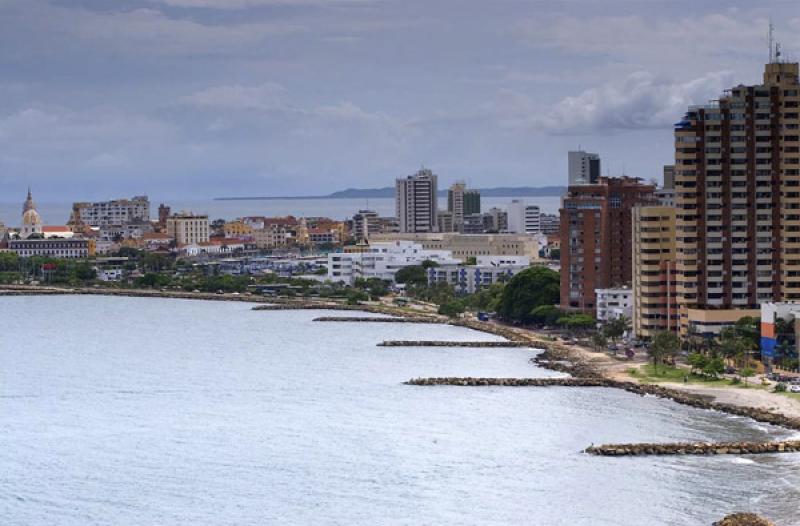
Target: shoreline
[555, 356]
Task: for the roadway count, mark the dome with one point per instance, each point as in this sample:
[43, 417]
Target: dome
[31, 218]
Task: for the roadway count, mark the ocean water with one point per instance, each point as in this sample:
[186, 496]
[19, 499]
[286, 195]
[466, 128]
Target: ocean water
[57, 213]
[130, 411]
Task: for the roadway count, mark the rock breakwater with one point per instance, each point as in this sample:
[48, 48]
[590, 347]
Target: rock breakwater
[695, 448]
[368, 319]
[439, 343]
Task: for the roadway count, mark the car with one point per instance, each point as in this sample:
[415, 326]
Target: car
[794, 388]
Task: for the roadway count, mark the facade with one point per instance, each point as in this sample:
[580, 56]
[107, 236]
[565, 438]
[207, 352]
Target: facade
[445, 221]
[497, 220]
[596, 230]
[468, 279]
[56, 248]
[737, 183]
[770, 314]
[416, 202]
[584, 167]
[188, 229]
[463, 246]
[655, 306]
[365, 223]
[523, 218]
[708, 323]
[381, 260]
[455, 205]
[549, 224]
[115, 212]
[472, 202]
[613, 303]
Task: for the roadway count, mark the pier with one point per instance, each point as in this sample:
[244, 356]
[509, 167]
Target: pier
[695, 448]
[440, 343]
[368, 319]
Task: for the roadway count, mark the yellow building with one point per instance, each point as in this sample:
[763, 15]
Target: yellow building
[188, 229]
[655, 307]
[236, 229]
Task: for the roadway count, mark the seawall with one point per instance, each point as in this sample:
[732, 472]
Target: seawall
[440, 343]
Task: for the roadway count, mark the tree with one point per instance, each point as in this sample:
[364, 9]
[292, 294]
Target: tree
[665, 344]
[546, 314]
[748, 329]
[617, 327]
[599, 340]
[746, 373]
[697, 360]
[355, 296]
[452, 308]
[576, 322]
[412, 275]
[527, 290]
[714, 367]
[731, 345]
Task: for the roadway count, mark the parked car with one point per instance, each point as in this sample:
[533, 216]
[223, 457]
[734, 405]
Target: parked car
[794, 388]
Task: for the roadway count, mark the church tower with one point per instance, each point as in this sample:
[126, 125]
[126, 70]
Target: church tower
[31, 221]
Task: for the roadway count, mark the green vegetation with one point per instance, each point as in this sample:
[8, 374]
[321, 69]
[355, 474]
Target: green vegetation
[452, 308]
[664, 347]
[526, 291]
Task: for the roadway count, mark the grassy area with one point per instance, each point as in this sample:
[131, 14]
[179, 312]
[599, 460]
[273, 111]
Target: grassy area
[649, 375]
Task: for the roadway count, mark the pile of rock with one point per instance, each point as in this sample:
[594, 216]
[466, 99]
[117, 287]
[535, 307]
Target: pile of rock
[438, 343]
[744, 519]
[471, 381]
[695, 448]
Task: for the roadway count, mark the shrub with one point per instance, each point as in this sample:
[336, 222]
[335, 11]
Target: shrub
[780, 387]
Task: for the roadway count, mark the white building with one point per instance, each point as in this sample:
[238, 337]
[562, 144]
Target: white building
[613, 303]
[523, 218]
[382, 260]
[467, 279]
[115, 212]
[584, 168]
[416, 202]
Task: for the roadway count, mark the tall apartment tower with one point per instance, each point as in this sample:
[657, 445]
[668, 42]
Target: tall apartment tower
[472, 202]
[655, 307]
[584, 167]
[737, 183]
[455, 203]
[524, 218]
[416, 202]
[596, 229]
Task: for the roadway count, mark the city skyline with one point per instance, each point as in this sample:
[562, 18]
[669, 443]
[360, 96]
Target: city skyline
[275, 97]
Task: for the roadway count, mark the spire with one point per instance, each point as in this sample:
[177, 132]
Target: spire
[29, 204]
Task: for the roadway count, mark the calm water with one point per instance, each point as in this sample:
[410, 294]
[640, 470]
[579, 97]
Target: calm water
[132, 411]
[58, 213]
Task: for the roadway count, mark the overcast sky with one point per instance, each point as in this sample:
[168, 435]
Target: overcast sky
[200, 98]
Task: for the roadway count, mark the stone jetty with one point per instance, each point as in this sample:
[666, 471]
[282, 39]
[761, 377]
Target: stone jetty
[369, 319]
[695, 448]
[439, 343]
[743, 519]
[510, 382]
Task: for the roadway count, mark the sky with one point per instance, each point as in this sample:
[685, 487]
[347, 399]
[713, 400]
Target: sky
[194, 99]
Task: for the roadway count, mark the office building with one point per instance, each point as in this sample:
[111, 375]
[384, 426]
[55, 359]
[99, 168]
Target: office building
[455, 204]
[737, 182]
[381, 260]
[71, 248]
[596, 230]
[463, 246]
[523, 218]
[487, 270]
[445, 221]
[655, 307]
[549, 224]
[584, 167]
[188, 229]
[416, 202]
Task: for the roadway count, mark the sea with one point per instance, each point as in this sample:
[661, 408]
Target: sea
[57, 213]
[142, 411]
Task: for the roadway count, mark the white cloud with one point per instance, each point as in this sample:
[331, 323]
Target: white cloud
[267, 96]
[639, 101]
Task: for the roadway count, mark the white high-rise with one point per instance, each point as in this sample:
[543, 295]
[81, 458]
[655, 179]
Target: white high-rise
[584, 168]
[523, 218]
[416, 202]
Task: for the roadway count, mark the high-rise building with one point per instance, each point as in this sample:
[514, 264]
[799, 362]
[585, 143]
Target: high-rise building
[584, 167]
[365, 223]
[737, 182]
[187, 229]
[115, 212]
[445, 222]
[472, 202]
[669, 177]
[655, 307]
[549, 224]
[416, 202]
[455, 202]
[163, 214]
[497, 220]
[524, 218]
[596, 228]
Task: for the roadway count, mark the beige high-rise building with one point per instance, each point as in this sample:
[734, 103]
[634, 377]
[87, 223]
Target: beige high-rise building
[737, 184]
[188, 229]
[416, 201]
[654, 305]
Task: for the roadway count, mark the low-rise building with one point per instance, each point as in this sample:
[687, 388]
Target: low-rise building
[708, 323]
[613, 303]
[382, 260]
[775, 343]
[463, 246]
[468, 279]
[73, 248]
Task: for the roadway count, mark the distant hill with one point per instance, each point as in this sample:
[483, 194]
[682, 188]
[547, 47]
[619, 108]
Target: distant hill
[388, 191]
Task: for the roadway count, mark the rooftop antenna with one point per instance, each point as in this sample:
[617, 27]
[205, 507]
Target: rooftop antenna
[771, 29]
